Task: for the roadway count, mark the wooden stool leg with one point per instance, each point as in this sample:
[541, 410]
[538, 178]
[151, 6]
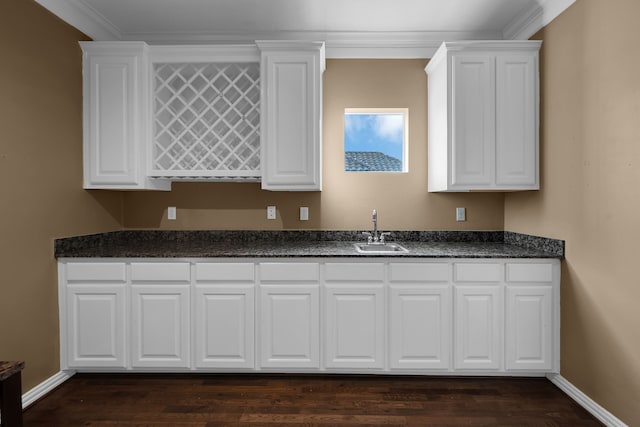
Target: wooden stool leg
[11, 401]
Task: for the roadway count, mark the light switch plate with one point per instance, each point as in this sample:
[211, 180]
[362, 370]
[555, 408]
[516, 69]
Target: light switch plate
[461, 214]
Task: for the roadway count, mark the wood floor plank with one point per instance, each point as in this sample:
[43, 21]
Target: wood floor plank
[304, 400]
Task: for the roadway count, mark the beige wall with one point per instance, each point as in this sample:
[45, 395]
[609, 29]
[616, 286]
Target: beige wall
[347, 199]
[41, 194]
[590, 195]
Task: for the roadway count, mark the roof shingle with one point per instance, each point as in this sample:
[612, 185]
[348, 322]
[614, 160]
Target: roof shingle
[368, 161]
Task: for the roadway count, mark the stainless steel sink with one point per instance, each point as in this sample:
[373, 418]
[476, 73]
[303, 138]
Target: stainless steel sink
[380, 248]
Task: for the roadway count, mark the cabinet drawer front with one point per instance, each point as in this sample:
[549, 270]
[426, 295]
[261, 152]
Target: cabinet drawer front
[530, 272]
[96, 271]
[478, 272]
[288, 271]
[419, 272]
[227, 272]
[370, 272]
[160, 272]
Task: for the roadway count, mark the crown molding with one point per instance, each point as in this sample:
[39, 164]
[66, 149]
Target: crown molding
[370, 45]
[83, 17]
[375, 45]
[526, 24]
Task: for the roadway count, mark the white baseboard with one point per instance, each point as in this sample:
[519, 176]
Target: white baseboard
[605, 417]
[45, 387]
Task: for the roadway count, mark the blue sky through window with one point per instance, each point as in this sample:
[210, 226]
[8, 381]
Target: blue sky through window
[383, 132]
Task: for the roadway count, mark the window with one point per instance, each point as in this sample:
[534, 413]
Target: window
[376, 139]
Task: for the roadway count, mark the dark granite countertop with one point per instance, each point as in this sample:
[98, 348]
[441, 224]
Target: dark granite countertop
[291, 244]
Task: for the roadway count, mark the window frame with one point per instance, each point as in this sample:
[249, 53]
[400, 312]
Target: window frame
[382, 110]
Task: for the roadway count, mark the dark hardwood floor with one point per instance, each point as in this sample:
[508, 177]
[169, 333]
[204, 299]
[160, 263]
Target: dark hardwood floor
[304, 400]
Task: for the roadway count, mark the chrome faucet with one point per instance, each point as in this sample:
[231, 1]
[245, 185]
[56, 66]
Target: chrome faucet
[375, 237]
[374, 218]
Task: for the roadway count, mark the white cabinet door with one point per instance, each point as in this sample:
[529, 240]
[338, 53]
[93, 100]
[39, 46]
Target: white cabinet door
[224, 326]
[419, 326]
[478, 327]
[116, 117]
[516, 121]
[529, 339]
[224, 315]
[291, 121]
[96, 326]
[473, 121]
[290, 326]
[355, 321]
[160, 326]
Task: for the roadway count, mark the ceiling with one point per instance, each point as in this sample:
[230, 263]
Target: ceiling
[350, 28]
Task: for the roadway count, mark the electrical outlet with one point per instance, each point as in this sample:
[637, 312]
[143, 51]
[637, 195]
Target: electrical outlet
[461, 214]
[171, 213]
[304, 214]
[271, 212]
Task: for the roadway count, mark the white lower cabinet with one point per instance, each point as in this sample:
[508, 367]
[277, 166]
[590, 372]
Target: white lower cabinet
[224, 326]
[478, 315]
[413, 316]
[478, 326]
[160, 326]
[160, 315]
[419, 315]
[354, 315]
[289, 315]
[530, 317]
[96, 326]
[355, 326]
[93, 315]
[224, 315]
[289, 326]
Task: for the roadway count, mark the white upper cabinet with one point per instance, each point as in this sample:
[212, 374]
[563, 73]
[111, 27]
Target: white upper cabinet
[156, 114]
[483, 116]
[291, 109]
[116, 116]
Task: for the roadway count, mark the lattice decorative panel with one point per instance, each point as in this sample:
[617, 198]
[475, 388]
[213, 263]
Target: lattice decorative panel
[207, 120]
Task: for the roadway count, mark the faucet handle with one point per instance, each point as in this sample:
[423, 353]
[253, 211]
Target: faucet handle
[386, 233]
[369, 237]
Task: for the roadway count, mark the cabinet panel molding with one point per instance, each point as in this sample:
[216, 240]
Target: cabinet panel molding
[96, 326]
[529, 338]
[224, 326]
[419, 330]
[160, 326]
[477, 329]
[517, 108]
[354, 327]
[290, 326]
